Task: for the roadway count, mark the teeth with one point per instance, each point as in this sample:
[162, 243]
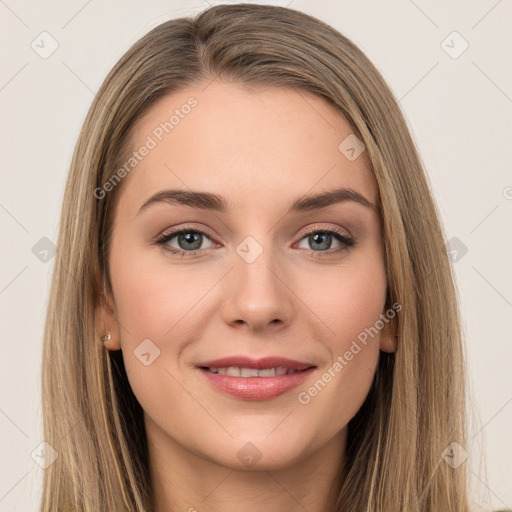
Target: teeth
[248, 372]
[234, 371]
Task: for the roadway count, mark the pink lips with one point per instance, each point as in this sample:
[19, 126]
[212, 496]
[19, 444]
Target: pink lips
[260, 364]
[256, 388]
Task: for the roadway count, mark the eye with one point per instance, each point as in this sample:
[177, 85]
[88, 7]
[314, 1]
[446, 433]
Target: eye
[320, 240]
[189, 241]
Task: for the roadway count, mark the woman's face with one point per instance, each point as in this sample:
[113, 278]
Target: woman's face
[255, 279]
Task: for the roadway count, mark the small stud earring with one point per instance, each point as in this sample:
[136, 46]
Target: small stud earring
[106, 337]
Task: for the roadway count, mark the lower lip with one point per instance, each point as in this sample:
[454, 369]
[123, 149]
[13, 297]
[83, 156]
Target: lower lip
[256, 388]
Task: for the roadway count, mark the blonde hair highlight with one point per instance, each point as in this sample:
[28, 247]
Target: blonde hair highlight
[416, 406]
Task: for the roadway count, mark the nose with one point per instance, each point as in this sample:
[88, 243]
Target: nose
[258, 294]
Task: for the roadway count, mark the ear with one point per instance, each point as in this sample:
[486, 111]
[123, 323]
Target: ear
[388, 337]
[105, 321]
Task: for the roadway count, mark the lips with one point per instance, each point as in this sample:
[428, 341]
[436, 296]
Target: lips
[255, 379]
[264, 363]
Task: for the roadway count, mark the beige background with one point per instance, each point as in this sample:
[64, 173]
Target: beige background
[460, 112]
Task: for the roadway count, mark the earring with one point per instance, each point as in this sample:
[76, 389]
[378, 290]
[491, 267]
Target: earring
[106, 337]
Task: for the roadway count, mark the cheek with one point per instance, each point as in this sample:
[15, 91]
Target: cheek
[151, 293]
[348, 299]
[349, 303]
[153, 302]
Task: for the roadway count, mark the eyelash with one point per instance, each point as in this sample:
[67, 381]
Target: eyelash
[348, 242]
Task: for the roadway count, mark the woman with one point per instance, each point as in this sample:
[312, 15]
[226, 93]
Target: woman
[252, 307]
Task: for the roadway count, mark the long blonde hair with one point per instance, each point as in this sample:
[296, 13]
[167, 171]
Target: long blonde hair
[416, 406]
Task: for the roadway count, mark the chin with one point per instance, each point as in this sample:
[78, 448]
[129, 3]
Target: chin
[259, 453]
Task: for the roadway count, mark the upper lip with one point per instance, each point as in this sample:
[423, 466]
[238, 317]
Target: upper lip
[259, 364]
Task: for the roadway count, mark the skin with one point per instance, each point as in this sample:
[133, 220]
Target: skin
[264, 147]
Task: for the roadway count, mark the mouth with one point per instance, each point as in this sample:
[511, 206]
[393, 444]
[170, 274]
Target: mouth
[245, 363]
[234, 371]
[250, 379]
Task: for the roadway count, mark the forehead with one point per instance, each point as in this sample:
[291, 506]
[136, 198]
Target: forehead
[255, 146]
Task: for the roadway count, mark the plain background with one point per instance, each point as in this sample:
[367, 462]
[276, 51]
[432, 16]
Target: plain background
[458, 107]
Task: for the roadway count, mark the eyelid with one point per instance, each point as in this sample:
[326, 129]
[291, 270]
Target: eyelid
[315, 228]
[178, 230]
[308, 230]
[346, 239]
[164, 237]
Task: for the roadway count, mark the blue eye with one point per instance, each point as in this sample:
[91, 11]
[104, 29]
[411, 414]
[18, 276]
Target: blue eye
[320, 239]
[190, 241]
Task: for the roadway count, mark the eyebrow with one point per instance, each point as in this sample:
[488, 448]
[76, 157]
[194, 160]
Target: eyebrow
[215, 202]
